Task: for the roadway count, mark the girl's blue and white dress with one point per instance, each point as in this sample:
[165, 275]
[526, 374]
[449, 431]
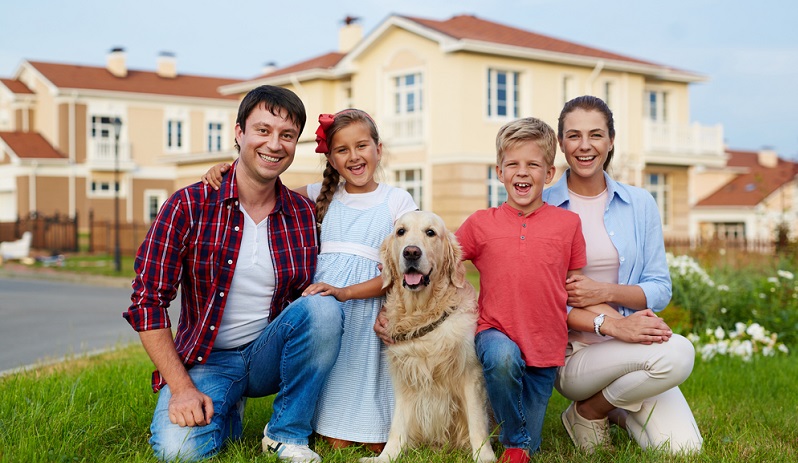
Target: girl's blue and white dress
[356, 401]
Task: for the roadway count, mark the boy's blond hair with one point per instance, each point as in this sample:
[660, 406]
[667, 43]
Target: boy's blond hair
[523, 130]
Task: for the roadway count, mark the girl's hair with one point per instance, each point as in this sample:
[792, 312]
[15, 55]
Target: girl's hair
[331, 176]
[589, 103]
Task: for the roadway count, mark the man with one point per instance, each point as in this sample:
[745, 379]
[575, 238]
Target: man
[241, 254]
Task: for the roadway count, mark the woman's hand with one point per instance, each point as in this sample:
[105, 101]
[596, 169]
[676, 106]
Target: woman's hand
[341, 294]
[214, 175]
[643, 327]
[583, 292]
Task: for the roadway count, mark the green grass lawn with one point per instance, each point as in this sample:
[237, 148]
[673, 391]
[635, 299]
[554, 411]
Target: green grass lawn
[99, 409]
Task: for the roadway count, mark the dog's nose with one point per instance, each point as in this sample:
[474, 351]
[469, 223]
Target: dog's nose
[411, 253]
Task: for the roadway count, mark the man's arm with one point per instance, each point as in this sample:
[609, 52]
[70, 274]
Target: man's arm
[187, 406]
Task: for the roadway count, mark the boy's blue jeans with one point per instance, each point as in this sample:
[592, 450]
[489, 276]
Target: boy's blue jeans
[291, 358]
[518, 394]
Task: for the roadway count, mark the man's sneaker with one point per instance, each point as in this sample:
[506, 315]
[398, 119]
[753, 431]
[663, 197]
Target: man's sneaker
[289, 452]
[514, 455]
[586, 434]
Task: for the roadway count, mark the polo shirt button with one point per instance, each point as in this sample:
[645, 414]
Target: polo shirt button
[524, 225]
[522, 236]
[199, 359]
[623, 259]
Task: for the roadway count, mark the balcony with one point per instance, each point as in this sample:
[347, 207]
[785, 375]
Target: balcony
[684, 145]
[100, 155]
[403, 129]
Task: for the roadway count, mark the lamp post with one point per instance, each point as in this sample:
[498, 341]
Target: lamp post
[117, 258]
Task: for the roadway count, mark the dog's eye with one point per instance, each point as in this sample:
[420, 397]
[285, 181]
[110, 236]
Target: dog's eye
[400, 232]
[431, 232]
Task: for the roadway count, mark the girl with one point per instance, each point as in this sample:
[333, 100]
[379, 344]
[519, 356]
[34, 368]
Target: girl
[355, 215]
[622, 361]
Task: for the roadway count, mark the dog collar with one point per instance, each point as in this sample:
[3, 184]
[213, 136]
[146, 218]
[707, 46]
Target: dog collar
[425, 330]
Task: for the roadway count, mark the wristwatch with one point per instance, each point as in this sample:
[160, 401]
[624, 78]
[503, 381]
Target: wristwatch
[597, 322]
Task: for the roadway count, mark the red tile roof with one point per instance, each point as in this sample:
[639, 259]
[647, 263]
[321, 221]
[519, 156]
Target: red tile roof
[752, 187]
[327, 61]
[472, 28]
[16, 86]
[149, 82]
[30, 145]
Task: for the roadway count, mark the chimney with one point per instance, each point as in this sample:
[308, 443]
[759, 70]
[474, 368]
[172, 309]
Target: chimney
[767, 158]
[166, 65]
[268, 68]
[115, 62]
[350, 34]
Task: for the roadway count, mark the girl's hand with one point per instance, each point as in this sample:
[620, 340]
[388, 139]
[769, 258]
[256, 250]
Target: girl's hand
[643, 327]
[324, 289]
[214, 175]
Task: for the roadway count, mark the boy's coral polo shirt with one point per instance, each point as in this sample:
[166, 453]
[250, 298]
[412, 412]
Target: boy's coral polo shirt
[523, 261]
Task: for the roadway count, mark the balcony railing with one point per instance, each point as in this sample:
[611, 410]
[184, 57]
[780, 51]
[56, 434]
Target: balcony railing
[683, 140]
[101, 155]
[403, 129]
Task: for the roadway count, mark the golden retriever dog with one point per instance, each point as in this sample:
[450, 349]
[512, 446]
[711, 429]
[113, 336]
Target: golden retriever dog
[432, 316]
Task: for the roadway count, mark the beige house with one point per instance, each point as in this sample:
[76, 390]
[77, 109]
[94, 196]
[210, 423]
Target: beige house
[61, 125]
[440, 90]
[747, 199]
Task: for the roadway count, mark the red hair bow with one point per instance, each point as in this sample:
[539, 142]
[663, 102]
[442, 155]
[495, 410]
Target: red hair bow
[325, 121]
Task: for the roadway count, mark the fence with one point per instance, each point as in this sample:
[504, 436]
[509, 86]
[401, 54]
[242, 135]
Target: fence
[55, 234]
[102, 236]
[684, 245]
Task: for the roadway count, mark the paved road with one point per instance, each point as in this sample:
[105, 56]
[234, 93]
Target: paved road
[43, 320]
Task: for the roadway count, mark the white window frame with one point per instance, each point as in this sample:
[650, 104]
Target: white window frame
[95, 189]
[568, 88]
[415, 186]
[402, 91]
[661, 191]
[655, 104]
[609, 93]
[215, 136]
[497, 193]
[176, 130]
[512, 89]
[160, 196]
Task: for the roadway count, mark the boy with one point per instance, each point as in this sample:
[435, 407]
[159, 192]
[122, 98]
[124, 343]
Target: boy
[524, 251]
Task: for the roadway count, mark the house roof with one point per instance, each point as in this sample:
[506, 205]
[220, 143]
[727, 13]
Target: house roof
[752, 187]
[16, 86]
[469, 27]
[30, 145]
[470, 30]
[74, 76]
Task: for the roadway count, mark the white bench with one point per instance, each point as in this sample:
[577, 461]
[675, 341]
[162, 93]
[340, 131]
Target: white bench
[18, 249]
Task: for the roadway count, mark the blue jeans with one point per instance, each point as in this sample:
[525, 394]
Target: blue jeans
[519, 394]
[291, 358]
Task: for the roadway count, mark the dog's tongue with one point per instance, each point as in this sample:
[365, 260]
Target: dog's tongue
[413, 279]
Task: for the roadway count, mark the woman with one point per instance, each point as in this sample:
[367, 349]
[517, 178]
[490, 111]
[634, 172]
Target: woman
[622, 360]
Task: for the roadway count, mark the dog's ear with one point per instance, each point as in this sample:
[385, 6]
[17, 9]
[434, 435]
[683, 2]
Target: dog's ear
[389, 270]
[452, 260]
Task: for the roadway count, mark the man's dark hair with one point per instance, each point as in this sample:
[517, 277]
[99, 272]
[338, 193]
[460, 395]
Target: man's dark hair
[275, 99]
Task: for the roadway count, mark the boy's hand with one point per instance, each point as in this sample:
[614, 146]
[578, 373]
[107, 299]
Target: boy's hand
[214, 175]
[584, 292]
[324, 289]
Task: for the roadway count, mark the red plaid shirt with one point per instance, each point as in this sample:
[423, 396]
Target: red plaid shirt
[194, 242]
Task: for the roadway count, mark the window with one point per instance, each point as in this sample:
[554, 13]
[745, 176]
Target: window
[410, 181]
[568, 88]
[408, 94]
[609, 93]
[730, 231]
[657, 185]
[502, 94]
[100, 188]
[214, 136]
[497, 194]
[102, 127]
[656, 103]
[153, 200]
[174, 134]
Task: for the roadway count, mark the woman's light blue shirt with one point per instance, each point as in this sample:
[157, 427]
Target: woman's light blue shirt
[631, 218]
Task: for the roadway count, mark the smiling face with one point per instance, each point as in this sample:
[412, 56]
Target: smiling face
[356, 156]
[586, 142]
[524, 171]
[268, 143]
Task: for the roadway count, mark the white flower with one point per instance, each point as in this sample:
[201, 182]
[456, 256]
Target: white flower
[719, 333]
[773, 280]
[785, 274]
[762, 295]
[723, 310]
[723, 288]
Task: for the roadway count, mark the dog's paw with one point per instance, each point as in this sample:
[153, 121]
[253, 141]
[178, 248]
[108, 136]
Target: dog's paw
[485, 455]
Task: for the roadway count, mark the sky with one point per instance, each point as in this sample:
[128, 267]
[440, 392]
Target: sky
[748, 50]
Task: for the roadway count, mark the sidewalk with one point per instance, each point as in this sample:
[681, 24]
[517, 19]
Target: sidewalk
[18, 270]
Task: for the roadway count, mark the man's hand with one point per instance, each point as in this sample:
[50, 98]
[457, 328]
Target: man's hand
[381, 327]
[190, 408]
